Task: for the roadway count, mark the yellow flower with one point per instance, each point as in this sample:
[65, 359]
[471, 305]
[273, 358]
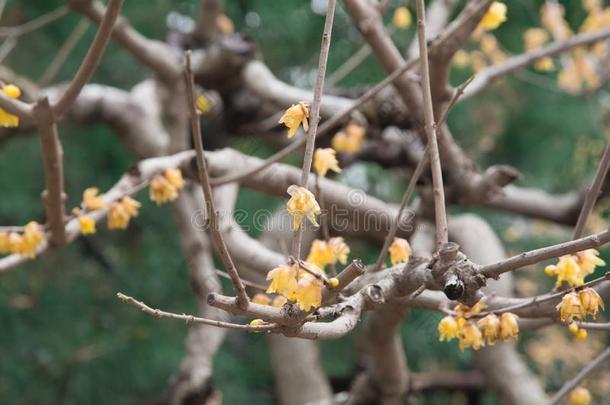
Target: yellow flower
[320, 254]
[534, 38]
[283, 281]
[581, 334]
[262, 299]
[121, 213]
[87, 224]
[324, 253]
[279, 301]
[309, 292]
[225, 24]
[545, 64]
[568, 270]
[31, 239]
[402, 18]
[203, 104]
[294, 116]
[570, 308]
[162, 191]
[588, 261]
[490, 327]
[590, 301]
[349, 140]
[470, 336]
[325, 159]
[495, 16]
[8, 119]
[448, 329]
[340, 249]
[572, 327]
[461, 59]
[174, 176]
[400, 251]
[509, 327]
[302, 203]
[464, 311]
[91, 200]
[5, 243]
[580, 396]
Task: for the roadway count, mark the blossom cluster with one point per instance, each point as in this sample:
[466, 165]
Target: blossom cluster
[572, 269]
[24, 243]
[577, 305]
[485, 331]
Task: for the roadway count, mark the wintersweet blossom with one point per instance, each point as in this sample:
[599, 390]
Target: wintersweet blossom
[262, 299]
[566, 269]
[350, 140]
[400, 251]
[91, 199]
[490, 328]
[33, 236]
[323, 253]
[470, 336]
[402, 18]
[325, 159]
[294, 116]
[588, 260]
[164, 188]
[590, 301]
[87, 224]
[464, 311]
[509, 326]
[579, 396]
[302, 204]
[309, 292]
[570, 308]
[448, 328]
[8, 119]
[121, 212]
[494, 17]
[283, 280]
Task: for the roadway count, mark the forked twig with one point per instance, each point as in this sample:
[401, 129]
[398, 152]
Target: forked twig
[242, 295]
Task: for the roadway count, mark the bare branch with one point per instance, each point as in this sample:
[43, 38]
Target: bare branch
[550, 252]
[571, 384]
[63, 53]
[157, 313]
[430, 127]
[207, 189]
[35, 24]
[92, 58]
[485, 77]
[592, 193]
[52, 157]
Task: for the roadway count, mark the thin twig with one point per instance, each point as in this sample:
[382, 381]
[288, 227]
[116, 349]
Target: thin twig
[7, 47]
[242, 295]
[594, 325]
[314, 114]
[325, 128]
[454, 99]
[157, 313]
[52, 157]
[63, 53]
[592, 193]
[423, 161]
[324, 220]
[247, 283]
[571, 384]
[494, 270]
[92, 58]
[430, 127]
[34, 24]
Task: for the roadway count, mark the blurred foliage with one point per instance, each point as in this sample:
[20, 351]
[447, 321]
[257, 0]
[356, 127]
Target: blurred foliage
[66, 339]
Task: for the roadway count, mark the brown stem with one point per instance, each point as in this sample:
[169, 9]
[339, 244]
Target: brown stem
[92, 58]
[571, 384]
[430, 127]
[35, 24]
[157, 313]
[550, 252]
[592, 193]
[52, 157]
[242, 296]
[314, 115]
